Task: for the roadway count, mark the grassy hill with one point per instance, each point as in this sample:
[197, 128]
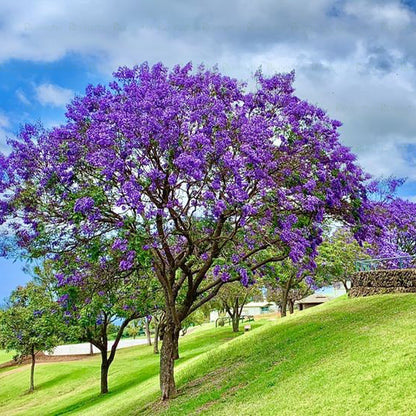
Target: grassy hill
[347, 357]
[5, 356]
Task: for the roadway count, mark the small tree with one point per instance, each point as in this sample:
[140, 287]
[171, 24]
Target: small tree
[287, 282]
[133, 328]
[285, 296]
[30, 323]
[95, 294]
[337, 256]
[232, 298]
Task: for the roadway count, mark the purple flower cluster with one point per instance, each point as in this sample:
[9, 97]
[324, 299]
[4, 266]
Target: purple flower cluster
[120, 244]
[128, 262]
[190, 164]
[84, 205]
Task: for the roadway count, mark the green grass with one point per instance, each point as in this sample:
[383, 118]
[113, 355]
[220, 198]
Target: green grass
[347, 357]
[73, 387]
[6, 356]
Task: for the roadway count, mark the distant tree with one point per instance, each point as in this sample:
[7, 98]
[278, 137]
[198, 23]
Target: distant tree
[146, 324]
[285, 297]
[287, 282]
[95, 294]
[392, 229]
[30, 323]
[232, 298]
[195, 318]
[133, 328]
[337, 257]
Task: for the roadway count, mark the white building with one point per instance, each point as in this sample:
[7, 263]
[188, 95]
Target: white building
[259, 308]
[251, 308]
[213, 316]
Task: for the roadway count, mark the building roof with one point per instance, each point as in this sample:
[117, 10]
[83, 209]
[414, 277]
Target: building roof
[315, 298]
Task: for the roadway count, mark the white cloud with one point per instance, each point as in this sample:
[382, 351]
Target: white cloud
[355, 58]
[49, 94]
[4, 132]
[4, 121]
[392, 14]
[22, 97]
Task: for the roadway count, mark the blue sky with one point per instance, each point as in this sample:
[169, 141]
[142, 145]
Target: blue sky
[354, 58]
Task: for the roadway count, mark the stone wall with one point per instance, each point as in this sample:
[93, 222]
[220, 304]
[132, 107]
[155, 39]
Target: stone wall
[376, 282]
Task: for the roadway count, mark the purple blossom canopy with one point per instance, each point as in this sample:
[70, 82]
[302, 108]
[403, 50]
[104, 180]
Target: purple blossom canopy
[190, 161]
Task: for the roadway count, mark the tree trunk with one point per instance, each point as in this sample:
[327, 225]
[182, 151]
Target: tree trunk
[167, 358]
[161, 330]
[156, 340]
[32, 370]
[347, 289]
[291, 305]
[284, 302]
[176, 344]
[147, 330]
[107, 359]
[234, 312]
[236, 316]
[236, 322]
[104, 372]
[91, 349]
[285, 295]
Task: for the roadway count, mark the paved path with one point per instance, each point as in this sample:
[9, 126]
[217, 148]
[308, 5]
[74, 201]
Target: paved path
[84, 348]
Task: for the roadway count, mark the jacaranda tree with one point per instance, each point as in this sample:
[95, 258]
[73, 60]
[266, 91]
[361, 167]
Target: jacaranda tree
[392, 229]
[94, 293]
[198, 170]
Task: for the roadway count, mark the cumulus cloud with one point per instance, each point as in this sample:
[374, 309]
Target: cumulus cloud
[54, 95]
[355, 58]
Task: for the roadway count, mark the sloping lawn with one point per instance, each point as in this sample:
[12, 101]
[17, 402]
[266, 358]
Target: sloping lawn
[348, 357]
[5, 356]
[73, 387]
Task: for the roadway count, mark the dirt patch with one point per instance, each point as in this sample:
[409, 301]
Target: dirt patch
[230, 392]
[43, 358]
[214, 377]
[193, 388]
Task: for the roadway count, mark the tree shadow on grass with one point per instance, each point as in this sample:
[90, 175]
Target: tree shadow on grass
[52, 382]
[45, 385]
[93, 399]
[88, 402]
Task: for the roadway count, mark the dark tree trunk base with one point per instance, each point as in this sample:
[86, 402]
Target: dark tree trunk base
[104, 372]
[167, 359]
[147, 330]
[32, 372]
[156, 340]
[236, 324]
